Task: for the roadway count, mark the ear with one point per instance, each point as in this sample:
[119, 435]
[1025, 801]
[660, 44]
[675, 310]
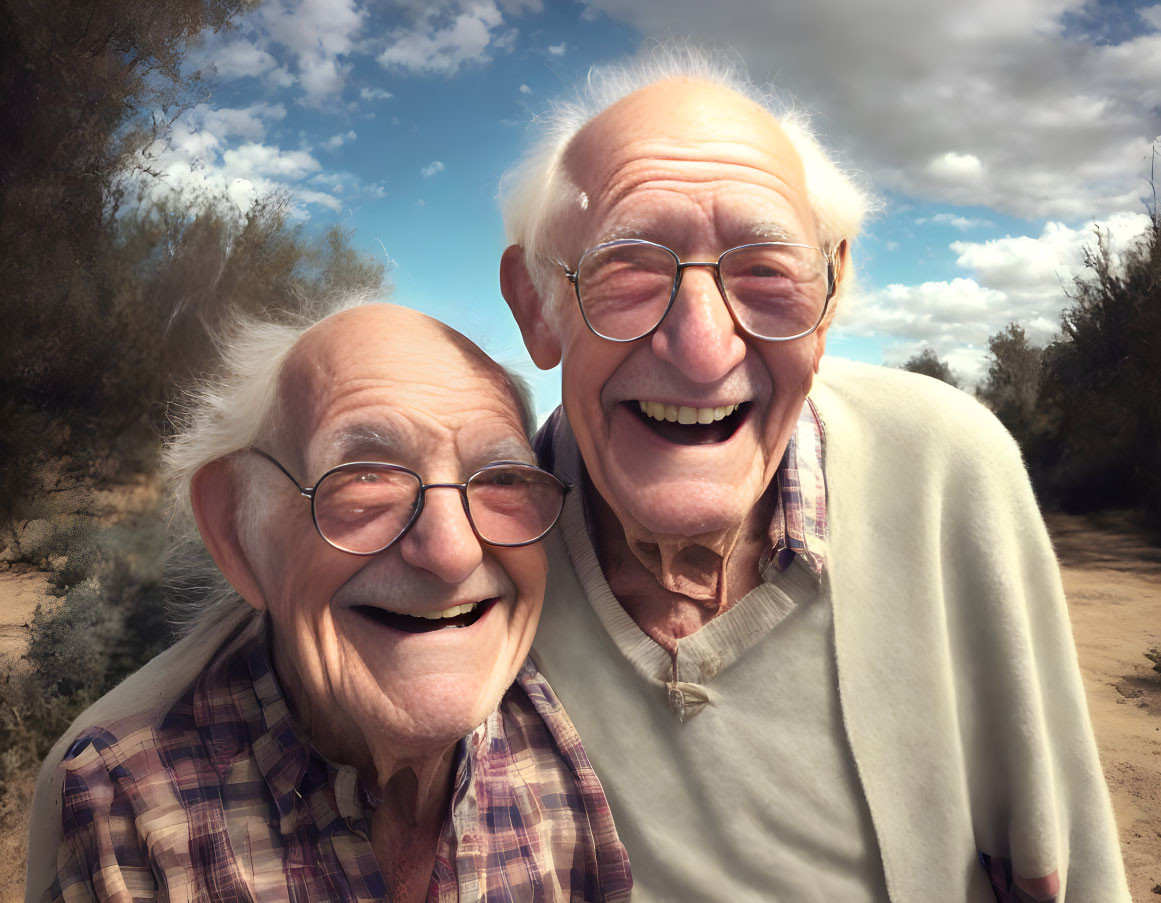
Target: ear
[216, 501]
[842, 259]
[524, 301]
[842, 266]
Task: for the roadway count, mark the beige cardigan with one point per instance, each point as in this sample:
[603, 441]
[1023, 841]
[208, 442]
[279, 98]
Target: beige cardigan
[961, 699]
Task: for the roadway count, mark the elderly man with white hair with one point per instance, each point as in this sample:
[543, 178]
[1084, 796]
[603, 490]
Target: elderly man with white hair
[804, 613]
[355, 720]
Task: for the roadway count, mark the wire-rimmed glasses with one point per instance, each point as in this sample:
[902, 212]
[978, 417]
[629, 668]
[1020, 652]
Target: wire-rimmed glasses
[365, 507]
[775, 291]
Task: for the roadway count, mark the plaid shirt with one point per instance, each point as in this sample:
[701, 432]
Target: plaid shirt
[800, 511]
[220, 798]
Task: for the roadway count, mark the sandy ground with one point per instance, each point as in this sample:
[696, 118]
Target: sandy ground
[1112, 575]
[22, 588]
[1112, 578]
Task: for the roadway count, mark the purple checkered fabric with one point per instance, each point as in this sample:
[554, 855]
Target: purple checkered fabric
[800, 509]
[220, 798]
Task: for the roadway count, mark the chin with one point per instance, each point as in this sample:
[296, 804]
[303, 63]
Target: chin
[432, 715]
[685, 510]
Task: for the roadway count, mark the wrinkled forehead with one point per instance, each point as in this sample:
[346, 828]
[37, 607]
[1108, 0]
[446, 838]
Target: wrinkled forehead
[695, 130]
[393, 386]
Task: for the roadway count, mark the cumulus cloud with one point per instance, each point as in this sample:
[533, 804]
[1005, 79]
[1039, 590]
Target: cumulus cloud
[997, 103]
[524, 89]
[557, 49]
[442, 42]
[226, 154]
[435, 166]
[1015, 278]
[242, 58]
[319, 34]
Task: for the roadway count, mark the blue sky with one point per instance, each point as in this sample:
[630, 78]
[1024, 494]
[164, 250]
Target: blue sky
[997, 134]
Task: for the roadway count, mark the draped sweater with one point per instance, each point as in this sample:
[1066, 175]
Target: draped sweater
[958, 691]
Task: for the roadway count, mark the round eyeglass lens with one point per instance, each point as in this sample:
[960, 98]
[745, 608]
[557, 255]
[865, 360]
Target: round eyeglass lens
[775, 291]
[625, 287]
[363, 508]
[513, 504]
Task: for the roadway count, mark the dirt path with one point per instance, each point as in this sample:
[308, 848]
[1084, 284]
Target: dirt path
[22, 588]
[1112, 578]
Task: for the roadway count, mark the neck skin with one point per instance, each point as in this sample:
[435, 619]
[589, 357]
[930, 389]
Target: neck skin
[414, 787]
[671, 586]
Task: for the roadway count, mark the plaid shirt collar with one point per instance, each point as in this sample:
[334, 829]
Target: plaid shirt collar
[798, 528]
[252, 718]
[520, 778]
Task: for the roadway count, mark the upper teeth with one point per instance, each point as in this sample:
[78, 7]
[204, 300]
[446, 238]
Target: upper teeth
[683, 413]
[446, 613]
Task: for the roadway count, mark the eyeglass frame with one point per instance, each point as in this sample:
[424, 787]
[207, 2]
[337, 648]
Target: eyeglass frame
[310, 491]
[573, 276]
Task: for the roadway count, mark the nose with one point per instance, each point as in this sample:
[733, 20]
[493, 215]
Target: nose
[442, 540]
[698, 336]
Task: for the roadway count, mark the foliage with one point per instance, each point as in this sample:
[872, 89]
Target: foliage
[1011, 386]
[1102, 380]
[930, 364]
[218, 268]
[111, 299]
[106, 625]
[86, 87]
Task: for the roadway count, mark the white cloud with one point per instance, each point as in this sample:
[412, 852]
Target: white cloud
[524, 89]
[241, 58]
[336, 141]
[318, 33]
[963, 223]
[374, 94]
[956, 169]
[435, 166]
[994, 103]
[1151, 15]
[257, 160]
[320, 198]
[1036, 267]
[223, 155]
[281, 77]
[1015, 278]
[557, 49]
[433, 48]
[507, 40]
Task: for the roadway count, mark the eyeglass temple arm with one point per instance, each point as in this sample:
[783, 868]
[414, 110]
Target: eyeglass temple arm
[303, 490]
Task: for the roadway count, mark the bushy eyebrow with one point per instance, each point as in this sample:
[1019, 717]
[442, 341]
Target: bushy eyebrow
[770, 230]
[382, 442]
[506, 448]
[366, 441]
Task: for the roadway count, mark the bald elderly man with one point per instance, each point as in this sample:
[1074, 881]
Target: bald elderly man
[804, 613]
[354, 719]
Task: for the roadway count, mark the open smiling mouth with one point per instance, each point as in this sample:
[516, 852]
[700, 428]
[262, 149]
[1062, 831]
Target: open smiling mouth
[460, 616]
[690, 426]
